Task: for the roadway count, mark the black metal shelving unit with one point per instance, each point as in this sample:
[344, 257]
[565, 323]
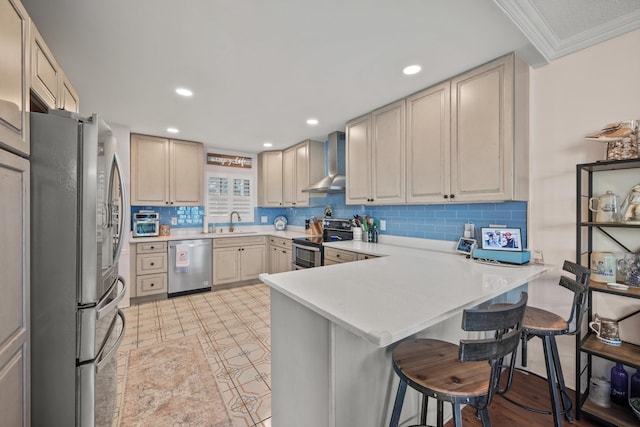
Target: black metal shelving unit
[586, 342]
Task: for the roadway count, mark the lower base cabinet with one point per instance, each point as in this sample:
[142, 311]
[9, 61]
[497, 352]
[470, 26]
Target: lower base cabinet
[150, 269]
[280, 255]
[338, 256]
[237, 259]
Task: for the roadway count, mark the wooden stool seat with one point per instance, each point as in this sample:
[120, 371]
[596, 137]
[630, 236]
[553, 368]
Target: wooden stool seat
[433, 365]
[538, 321]
[541, 322]
[464, 374]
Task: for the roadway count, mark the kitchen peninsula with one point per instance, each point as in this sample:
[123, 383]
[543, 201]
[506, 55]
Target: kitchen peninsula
[333, 328]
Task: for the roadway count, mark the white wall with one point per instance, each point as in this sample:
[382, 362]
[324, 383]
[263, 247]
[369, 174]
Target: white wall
[571, 97]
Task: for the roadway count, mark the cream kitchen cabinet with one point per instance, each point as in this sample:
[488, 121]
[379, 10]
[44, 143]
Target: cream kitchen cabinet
[376, 157]
[45, 71]
[15, 330]
[270, 179]
[150, 268]
[280, 255]
[302, 165]
[14, 77]
[338, 256]
[69, 99]
[166, 172]
[489, 132]
[237, 259]
[429, 145]
[49, 84]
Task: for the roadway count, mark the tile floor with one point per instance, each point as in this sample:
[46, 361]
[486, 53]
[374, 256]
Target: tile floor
[233, 325]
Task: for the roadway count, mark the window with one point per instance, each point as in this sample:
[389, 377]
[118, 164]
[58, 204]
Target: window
[228, 193]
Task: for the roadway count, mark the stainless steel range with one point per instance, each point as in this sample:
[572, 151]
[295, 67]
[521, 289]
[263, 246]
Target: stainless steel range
[308, 251]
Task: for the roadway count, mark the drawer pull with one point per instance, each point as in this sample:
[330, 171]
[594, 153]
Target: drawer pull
[153, 263]
[152, 247]
[152, 285]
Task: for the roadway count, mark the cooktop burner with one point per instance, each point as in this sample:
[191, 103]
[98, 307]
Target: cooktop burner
[334, 230]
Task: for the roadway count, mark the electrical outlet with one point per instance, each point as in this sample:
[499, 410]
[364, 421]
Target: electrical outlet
[264, 219]
[174, 220]
[383, 225]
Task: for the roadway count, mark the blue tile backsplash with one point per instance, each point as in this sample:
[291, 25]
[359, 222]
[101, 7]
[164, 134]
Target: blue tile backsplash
[438, 222]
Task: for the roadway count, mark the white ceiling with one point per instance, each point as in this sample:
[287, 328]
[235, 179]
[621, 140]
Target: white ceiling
[260, 68]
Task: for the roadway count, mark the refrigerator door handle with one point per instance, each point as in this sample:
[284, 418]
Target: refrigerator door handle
[108, 307]
[102, 358]
[123, 213]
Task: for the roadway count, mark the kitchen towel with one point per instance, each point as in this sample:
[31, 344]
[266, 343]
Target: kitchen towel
[182, 256]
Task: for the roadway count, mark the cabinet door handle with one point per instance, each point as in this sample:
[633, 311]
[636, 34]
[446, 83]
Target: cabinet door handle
[446, 196]
[452, 196]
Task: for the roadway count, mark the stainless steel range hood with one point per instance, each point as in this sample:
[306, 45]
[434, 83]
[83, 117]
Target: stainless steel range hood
[335, 180]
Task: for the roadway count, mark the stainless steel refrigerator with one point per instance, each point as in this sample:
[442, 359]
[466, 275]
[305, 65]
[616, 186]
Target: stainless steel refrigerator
[77, 217]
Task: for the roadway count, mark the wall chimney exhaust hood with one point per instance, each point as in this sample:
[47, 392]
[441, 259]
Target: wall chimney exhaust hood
[335, 180]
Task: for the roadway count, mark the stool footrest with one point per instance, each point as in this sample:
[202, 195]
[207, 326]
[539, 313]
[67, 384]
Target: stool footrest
[502, 393]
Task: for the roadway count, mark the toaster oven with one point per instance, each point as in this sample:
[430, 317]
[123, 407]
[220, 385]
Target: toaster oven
[146, 224]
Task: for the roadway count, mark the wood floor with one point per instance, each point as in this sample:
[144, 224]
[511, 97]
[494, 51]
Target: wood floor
[526, 388]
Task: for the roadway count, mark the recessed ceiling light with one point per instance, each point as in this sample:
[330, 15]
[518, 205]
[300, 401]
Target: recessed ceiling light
[268, 144]
[184, 92]
[412, 69]
[172, 130]
[312, 121]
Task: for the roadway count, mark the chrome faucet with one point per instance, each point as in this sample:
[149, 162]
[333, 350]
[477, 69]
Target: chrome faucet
[231, 220]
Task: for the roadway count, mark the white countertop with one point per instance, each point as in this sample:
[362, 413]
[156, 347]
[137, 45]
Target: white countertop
[241, 231]
[401, 293]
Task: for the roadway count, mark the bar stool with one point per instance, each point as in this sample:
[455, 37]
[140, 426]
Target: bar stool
[546, 326]
[459, 374]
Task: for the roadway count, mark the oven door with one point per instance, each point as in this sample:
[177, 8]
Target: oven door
[306, 256]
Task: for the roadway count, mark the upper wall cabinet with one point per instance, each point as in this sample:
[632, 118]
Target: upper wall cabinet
[489, 132]
[166, 172]
[429, 145]
[302, 165]
[466, 141]
[376, 156]
[49, 84]
[69, 99]
[270, 179]
[45, 71]
[14, 77]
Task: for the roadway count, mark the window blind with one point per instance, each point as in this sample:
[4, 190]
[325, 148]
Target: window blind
[226, 194]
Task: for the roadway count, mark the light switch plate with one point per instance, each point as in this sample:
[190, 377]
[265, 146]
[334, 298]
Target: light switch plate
[264, 219]
[174, 220]
[383, 225]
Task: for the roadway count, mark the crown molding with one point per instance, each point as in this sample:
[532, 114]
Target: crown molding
[526, 16]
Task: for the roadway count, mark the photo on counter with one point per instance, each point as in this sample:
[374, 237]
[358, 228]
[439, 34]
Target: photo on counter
[502, 239]
[465, 245]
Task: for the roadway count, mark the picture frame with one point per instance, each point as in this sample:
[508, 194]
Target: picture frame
[466, 245]
[501, 239]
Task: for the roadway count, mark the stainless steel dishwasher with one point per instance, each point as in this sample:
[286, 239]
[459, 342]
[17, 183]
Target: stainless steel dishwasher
[189, 266]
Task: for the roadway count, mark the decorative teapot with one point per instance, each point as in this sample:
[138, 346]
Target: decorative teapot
[631, 206]
[630, 268]
[606, 207]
